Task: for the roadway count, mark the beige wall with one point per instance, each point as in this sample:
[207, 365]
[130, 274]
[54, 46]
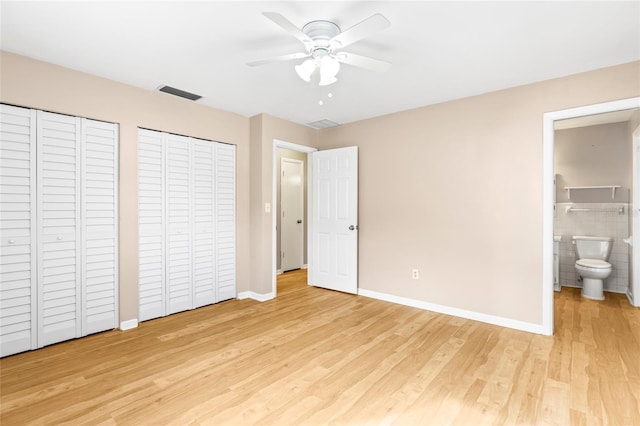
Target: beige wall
[455, 190]
[593, 156]
[29, 83]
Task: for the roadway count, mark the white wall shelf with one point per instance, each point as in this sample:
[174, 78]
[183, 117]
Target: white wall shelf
[611, 187]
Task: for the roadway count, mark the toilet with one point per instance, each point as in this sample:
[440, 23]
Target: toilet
[592, 255]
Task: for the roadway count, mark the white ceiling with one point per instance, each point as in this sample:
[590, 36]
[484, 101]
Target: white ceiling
[440, 50]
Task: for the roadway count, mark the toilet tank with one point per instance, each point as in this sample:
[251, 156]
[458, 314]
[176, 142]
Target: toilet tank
[593, 247]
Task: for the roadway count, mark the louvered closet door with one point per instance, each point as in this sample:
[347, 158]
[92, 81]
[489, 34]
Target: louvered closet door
[204, 246]
[58, 212]
[151, 224]
[187, 223]
[99, 226]
[18, 293]
[178, 252]
[225, 221]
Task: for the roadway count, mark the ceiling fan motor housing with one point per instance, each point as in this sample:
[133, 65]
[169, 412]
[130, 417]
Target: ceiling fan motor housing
[321, 32]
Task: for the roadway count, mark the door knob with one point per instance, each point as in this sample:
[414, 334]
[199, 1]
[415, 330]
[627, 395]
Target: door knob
[351, 227]
[299, 221]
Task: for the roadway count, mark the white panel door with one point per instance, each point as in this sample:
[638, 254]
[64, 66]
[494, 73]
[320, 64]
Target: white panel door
[179, 285]
[58, 213]
[334, 209]
[151, 224]
[225, 221]
[292, 208]
[99, 226]
[203, 218]
[18, 291]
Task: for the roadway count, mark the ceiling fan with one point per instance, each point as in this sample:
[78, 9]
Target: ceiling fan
[323, 42]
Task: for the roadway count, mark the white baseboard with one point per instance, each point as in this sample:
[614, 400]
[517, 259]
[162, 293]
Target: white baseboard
[129, 324]
[605, 290]
[616, 291]
[305, 266]
[255, 296]
[462, 313]
[630, 297]
[278, 271]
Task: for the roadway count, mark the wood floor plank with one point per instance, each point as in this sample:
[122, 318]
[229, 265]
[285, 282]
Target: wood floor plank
[313, 356]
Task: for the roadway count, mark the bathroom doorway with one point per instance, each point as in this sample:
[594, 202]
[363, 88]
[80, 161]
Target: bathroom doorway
[624, 110]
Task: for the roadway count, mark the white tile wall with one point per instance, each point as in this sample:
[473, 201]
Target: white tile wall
[601, 224]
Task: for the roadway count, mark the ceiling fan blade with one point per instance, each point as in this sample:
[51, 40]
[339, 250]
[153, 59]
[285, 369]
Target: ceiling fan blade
[282, 58]
[359, 31]
[363, 62]
[286, 25]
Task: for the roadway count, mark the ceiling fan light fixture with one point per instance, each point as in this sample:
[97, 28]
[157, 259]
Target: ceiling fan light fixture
[326, 66]
[305, 69]
[329, 68]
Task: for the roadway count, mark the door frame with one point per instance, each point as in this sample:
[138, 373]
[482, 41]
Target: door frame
[301, 195]
[548, 195]
[635, 222]
[277, 143]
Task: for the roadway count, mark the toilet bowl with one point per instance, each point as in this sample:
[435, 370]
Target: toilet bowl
[592, 254]
[593, 273]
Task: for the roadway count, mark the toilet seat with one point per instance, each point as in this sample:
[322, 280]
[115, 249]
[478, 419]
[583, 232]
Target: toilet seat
[593, 263]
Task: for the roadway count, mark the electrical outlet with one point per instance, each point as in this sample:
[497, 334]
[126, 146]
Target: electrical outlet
[415, 274]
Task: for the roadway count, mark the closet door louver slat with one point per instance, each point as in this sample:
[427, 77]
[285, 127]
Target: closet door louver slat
[18, 291]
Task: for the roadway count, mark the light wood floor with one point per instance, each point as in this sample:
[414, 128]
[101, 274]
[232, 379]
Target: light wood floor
[315, 356]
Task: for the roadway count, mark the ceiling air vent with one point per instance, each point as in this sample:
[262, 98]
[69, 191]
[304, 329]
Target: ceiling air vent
[323, 124]
[181, 93]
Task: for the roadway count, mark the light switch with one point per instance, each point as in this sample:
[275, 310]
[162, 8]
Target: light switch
[267, 207]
